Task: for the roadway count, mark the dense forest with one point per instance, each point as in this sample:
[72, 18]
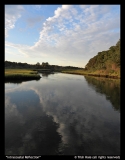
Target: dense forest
[106, 61]
[43, 65]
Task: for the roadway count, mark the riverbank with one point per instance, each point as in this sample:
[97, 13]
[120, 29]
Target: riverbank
[21, 74]
[96, 73]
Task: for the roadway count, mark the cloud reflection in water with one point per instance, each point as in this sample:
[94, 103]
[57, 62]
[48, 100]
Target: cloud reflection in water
[75, 118]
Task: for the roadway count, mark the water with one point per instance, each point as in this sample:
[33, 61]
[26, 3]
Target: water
[63, 114]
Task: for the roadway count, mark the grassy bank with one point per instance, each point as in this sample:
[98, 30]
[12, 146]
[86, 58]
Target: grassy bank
[100, 73]
[21, 74]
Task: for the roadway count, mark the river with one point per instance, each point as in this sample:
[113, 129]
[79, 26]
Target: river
[63, 114]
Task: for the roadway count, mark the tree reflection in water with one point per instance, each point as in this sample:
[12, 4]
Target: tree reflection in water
[109, 87]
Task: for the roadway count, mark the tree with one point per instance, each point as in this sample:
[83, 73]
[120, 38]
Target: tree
[109, 59]
[38, 64]
[45, 64]
[118, 43]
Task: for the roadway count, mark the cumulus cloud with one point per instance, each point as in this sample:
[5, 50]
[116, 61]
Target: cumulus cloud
[12, 13]
[75, 32]
[51, 22]
[77, 36]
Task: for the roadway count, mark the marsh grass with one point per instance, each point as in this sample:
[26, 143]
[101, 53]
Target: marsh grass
[99, 73]
[20, 74]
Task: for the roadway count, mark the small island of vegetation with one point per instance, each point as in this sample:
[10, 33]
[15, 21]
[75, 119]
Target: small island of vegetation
[21, 74]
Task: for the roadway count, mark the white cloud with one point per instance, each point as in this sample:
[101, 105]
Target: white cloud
[74, 32]
[12, 13]
[23, 49]
[82, 38]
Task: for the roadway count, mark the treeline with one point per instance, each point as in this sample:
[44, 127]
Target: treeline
[43, 65]
[108, 61]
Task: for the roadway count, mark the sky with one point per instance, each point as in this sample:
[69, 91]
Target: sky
[65, 35]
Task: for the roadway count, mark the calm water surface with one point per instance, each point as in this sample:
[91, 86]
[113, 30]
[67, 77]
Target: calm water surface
[63, 114]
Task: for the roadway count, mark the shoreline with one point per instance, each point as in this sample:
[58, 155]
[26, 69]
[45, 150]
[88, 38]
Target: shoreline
[91, 74]
[26, 74]
[21, 74]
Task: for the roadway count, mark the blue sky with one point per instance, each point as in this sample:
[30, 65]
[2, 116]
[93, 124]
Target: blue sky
[59, 34]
